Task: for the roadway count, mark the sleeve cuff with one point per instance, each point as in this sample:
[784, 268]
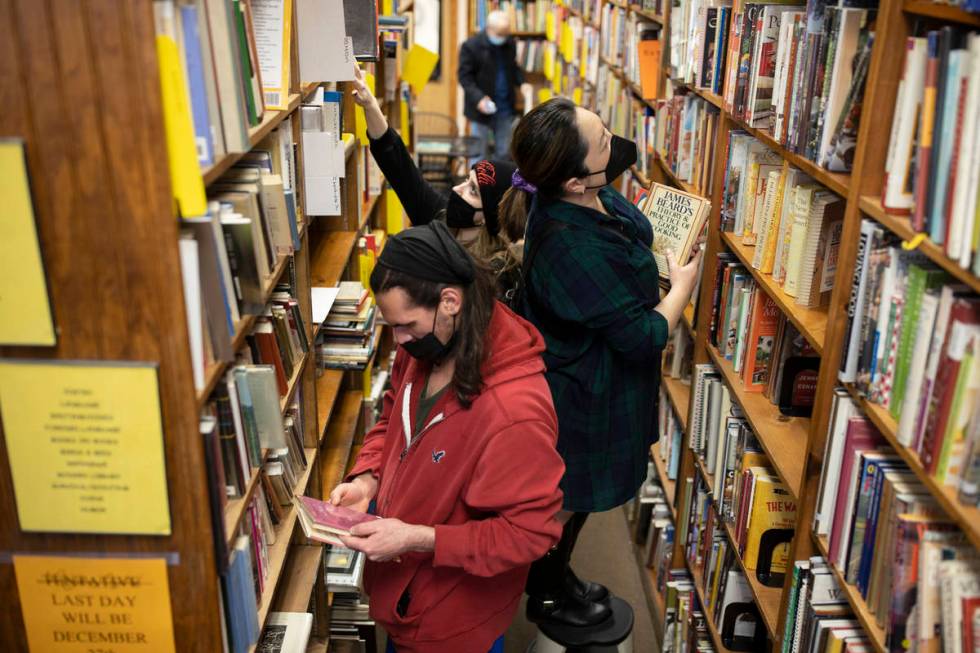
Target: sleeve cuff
[450, 546]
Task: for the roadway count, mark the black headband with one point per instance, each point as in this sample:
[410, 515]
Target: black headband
[429, 252]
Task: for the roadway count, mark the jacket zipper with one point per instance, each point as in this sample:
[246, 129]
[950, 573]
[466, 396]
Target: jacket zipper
[411, 444]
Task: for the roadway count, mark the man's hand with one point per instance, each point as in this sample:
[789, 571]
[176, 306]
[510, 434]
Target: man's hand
[356, 494]
[386, 539]
[486, 106]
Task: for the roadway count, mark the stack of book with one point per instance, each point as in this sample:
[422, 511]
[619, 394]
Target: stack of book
[911, 347]
[699, 34]
[685, 628]
[685, 139]
[613, 101]
[800, 74]
[347, 337]
[349, 613]
[612, 31]
[932, 173]
[819, 619]
[887, 535]
[524, 15]
[530, 55]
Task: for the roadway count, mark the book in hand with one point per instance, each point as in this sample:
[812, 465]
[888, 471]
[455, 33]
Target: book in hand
[677, 219]
[323, 521]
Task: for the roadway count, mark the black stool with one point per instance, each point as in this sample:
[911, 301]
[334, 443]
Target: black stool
[613, 634]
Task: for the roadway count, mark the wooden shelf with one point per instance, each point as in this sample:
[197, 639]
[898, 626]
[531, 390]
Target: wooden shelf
[966, 517]
[528, 35]
[943, 12]
[901, 227]
[298, 369]
[299, 577]
[339, 439]
[216, 370]
[278, 551]
[784, 439]
[680, 397]
[330, 258]
[669, 486]
[812, 322]
[649, 15]
[368, 207]
[876, 634]
[327, 390]
[270, 120]
[835, 181]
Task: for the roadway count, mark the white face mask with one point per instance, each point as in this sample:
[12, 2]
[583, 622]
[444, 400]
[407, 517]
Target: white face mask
[497, 40]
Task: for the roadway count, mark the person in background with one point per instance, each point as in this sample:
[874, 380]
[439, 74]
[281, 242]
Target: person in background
[490, 77]
[462, 463]
[469, 209]
[592, 289]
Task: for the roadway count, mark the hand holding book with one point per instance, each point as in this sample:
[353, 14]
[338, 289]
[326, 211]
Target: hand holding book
[356, 494]
[384, 540]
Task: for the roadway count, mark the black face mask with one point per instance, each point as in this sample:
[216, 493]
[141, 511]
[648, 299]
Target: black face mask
[459, 214]
[428, 348]
[622, 154]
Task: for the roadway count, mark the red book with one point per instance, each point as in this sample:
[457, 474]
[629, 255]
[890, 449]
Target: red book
[964, 311]
[265, 339]
[861, 436]
[927, 119]
[758, 350]
[323, 521]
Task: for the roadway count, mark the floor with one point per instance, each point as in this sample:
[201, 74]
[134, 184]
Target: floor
[604, 554]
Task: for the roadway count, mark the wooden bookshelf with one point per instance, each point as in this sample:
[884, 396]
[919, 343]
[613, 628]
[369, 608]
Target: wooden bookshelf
[527, 35]
[708, 96]
[781, 437]
[766, 598]
[811, 322]
[876, 634]
[339, 439]
[649, 15]
[901, 227]
[330, 258]
[966, 517]
[687, 317]
[940, 12]
[709, 618]
[298, 578]
[685, 186]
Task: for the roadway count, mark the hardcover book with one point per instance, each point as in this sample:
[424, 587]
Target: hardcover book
[677, 219]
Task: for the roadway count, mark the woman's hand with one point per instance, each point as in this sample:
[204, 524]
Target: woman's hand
[377, 125]
[386, 539]
[683, 277]
[356, 494]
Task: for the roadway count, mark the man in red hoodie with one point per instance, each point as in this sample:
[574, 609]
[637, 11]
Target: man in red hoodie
[462, 464]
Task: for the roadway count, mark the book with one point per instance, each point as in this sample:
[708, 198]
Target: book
[286, 632]
[677, 219]
[322, 522]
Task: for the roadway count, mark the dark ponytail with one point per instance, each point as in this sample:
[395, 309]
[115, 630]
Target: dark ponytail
[548, 150]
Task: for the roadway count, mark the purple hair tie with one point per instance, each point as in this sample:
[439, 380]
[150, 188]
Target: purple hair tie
[517, 181]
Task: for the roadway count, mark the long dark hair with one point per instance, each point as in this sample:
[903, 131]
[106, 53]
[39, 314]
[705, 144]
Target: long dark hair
[548, 150]
[473, 323]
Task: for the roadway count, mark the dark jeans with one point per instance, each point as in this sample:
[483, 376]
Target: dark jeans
[547, 577]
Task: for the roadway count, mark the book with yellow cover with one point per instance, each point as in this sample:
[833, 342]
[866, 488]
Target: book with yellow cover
[677, 219]
[773, 509]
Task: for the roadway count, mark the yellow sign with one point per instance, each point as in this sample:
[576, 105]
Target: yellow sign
[393, 212]
[419, 64]
[360, 121]
[81, 605]
[85, 443]
[577, 95]
[25, 314]
[544, 94]
[549, 25]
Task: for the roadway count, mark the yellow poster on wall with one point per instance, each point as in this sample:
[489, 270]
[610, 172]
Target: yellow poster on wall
[85, 445]
[419, 64]
[80, 605]
[25, 312]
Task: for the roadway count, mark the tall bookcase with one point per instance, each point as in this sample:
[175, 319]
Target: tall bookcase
[82, 88]
[794, 445]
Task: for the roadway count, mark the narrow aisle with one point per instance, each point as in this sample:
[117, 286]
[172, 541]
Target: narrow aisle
[604, 554]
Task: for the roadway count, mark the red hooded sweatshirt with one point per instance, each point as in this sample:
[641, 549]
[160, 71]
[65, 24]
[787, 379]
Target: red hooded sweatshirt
[485, 477]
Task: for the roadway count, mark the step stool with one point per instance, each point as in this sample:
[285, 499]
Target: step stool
[615, 634]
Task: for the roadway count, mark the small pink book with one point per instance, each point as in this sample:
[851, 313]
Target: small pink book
[322, 520]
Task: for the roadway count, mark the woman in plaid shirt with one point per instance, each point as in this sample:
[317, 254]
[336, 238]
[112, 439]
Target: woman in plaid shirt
[592, 289]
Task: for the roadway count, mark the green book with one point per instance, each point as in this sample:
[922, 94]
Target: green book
[956, 425]
[245, 61]
[921, 279]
